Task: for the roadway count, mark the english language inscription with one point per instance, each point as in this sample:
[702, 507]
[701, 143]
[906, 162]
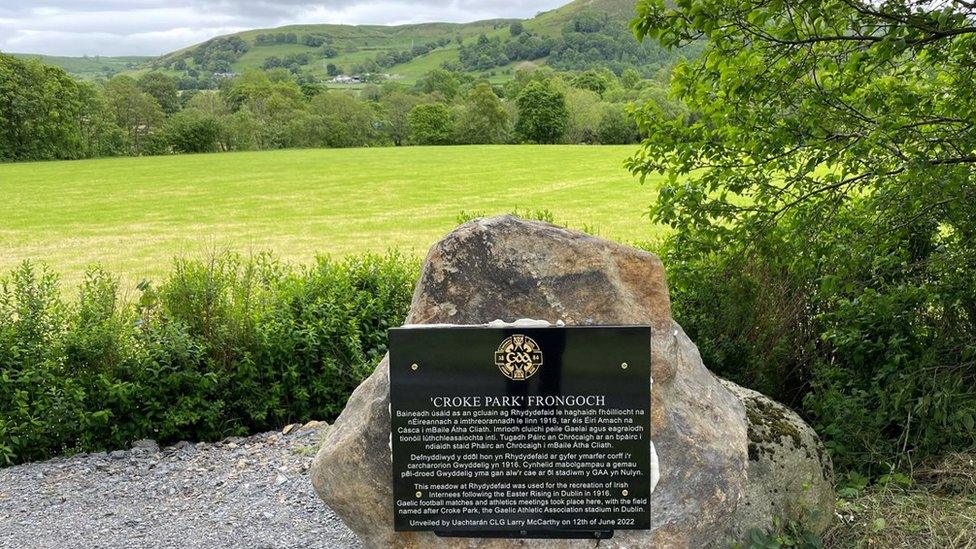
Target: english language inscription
[521, 431]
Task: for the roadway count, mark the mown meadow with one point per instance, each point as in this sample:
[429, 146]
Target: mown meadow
[132, 216]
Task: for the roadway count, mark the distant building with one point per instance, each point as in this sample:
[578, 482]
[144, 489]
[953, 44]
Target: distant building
[345, 79]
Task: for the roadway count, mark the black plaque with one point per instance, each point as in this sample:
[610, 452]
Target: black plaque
[521, 432]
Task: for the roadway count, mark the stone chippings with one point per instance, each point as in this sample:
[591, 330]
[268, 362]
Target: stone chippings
[249, 492]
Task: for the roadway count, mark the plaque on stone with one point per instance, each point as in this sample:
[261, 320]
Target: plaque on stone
[520, 431]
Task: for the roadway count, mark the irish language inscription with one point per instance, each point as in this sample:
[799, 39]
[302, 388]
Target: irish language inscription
[518, 431]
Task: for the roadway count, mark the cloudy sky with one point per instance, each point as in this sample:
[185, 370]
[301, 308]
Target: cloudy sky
[151, 27]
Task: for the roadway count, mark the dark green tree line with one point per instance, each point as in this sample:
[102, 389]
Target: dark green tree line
[44, 114]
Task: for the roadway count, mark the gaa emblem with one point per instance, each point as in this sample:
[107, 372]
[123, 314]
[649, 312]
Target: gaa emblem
[518, 357]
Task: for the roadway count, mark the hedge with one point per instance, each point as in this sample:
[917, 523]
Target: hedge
[221, 347]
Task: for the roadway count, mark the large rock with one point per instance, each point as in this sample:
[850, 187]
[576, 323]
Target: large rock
[730, 459]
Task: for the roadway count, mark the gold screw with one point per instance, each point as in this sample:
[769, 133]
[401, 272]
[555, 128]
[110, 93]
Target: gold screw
[625, 493]
[419, 494]
[414, 367]
[624, 365]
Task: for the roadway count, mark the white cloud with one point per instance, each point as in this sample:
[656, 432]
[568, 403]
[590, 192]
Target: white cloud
[151, 27]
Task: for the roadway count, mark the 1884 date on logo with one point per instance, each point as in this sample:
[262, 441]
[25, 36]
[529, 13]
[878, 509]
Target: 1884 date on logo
[518, 357]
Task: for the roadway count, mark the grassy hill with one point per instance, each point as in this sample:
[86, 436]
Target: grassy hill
[357, 45]
[309, 49]
[88, 67]
[553, 20]
[406, 52]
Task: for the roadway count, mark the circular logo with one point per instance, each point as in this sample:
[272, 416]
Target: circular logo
[518, 357]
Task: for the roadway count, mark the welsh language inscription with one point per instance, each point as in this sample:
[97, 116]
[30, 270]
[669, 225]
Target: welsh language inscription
[519, 431]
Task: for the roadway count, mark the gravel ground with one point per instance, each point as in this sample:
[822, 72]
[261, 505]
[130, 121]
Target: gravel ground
[250, 492]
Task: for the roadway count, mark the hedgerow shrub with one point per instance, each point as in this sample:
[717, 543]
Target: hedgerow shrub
[870, 334]
[222, 347]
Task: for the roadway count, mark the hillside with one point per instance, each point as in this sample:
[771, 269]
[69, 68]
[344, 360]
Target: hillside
[577, 36]
[89, 67]
[350, 46]
[582, 34]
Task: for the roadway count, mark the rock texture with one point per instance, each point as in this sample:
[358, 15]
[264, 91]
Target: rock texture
[726, 456]
[789, 472]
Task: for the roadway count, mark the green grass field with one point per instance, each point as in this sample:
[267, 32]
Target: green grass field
[133, 215]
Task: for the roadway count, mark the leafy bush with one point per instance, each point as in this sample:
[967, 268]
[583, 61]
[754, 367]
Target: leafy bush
[784, 534]
[871, 334]
[193, 131]
[223, 347]
[822, 196]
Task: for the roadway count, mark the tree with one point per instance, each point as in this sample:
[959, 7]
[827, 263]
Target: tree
[163, 89]
[542, 113]
[585, 111]
[272, 97]
[440, 82]
[431, 124]
[516, 28]
[396, 108]
[311, 89]
[805, 101]
[136, 112]
[630, 79]
[242, 131]
[662, 103]
[370, 92]
[340, 120]
[40, 109]
[826, 176]
[208, 102]
[193, 131]
[485, 119]
[616, 127]
[484, 54]
[100, 134]
[217, 54]
[271, 62]
[592, 80]
[524, 75]
[314, 40]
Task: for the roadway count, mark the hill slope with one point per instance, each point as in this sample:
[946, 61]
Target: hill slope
[88, 67]
[579, 35]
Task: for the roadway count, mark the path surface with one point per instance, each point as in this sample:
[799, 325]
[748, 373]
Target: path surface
[243, 492]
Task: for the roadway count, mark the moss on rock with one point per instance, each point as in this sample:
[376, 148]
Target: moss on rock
[768, 424]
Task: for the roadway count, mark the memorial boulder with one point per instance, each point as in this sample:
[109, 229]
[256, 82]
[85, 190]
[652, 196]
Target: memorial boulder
[724, 459]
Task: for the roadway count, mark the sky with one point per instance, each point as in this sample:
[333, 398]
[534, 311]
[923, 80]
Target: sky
[153, 27]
